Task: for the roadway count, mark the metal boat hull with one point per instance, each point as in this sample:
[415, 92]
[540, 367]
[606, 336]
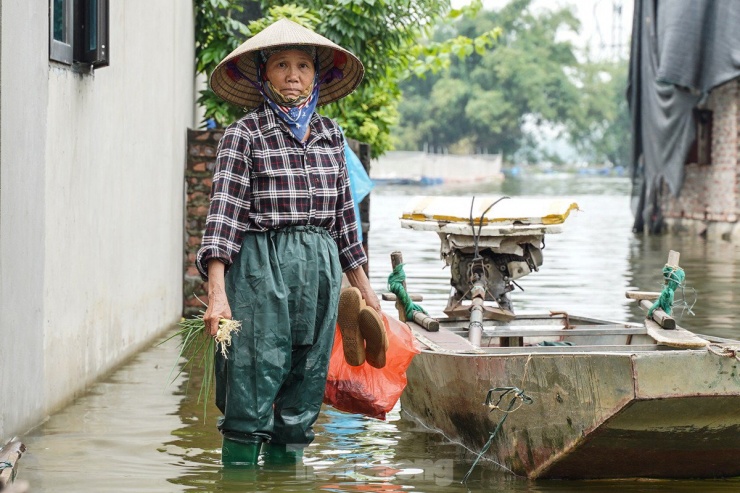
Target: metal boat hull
[659, 414]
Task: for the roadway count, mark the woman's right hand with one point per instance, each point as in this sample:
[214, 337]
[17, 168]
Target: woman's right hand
[218, 303]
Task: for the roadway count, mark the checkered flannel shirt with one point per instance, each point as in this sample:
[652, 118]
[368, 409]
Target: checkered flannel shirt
[265, 179]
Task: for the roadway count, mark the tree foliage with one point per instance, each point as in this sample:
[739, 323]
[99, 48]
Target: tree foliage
[217, 33]
[485, 99]
[384, 34]
[599, 127]
[503, 99]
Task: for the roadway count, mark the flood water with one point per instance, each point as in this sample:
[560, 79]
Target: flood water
[134, 432]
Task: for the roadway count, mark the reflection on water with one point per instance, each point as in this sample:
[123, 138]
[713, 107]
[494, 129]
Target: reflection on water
[133, 432]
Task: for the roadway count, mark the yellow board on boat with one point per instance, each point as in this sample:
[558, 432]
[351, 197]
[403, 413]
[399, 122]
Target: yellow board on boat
[507, 211]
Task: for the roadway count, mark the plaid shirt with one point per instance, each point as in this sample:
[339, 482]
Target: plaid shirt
[265, 179]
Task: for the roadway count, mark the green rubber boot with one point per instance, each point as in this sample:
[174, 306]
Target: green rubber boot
[239, 454]
[279, 454]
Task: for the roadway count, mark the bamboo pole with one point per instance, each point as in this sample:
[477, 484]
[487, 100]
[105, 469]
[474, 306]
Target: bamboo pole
[9, 456]
[421, 318]
[659, 316]
[642, 295]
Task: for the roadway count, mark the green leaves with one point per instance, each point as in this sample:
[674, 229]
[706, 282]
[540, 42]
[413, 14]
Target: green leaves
[369, 114]
[217, 34]
[507, 75]
[384, 34]
[599, 127]
[299, 15]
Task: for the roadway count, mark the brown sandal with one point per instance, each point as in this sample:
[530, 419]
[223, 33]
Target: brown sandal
[376, 340]
[350, 304]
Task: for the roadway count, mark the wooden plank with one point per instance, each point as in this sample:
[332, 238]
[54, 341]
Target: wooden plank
[553, 327]
[443, 340]
[489, 313]
[559, 332]
[10, 454]
[642, 295]
[19, 486]
[678, 337]
[659, 316]
[537, 319]
[619, 348]
[392, 297]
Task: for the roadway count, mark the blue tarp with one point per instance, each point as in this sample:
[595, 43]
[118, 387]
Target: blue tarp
[359, 182]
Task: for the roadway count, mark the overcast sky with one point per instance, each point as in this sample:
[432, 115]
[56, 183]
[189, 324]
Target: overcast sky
[600, 26]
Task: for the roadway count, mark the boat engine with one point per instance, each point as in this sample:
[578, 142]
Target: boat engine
[498, 241]
[494, 267]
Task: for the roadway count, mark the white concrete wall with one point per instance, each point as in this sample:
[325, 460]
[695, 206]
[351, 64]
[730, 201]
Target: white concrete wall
[452, 168]
[91, 205]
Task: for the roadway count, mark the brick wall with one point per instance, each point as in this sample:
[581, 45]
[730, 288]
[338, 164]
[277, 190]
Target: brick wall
[709, 202]
[202, 145]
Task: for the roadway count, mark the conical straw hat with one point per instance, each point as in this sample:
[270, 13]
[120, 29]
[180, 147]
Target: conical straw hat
[231, 78]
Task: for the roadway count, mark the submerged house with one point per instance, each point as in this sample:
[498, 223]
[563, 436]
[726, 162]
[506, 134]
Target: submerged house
[96, 98]
[684, 98]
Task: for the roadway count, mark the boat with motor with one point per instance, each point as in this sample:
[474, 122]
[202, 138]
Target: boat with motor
[557, 395]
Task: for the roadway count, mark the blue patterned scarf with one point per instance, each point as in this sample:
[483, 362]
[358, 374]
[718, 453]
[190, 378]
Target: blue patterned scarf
[297, 112]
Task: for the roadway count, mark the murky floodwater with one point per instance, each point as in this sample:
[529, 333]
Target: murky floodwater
[133, 432]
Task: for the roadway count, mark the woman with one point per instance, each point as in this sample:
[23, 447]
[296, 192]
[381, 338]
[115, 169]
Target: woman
[280, 231]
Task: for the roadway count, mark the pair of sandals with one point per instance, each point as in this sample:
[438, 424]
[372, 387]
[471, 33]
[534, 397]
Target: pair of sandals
[363, 331]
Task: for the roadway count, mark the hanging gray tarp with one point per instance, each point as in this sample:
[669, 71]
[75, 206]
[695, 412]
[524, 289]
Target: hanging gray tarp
[681, 50]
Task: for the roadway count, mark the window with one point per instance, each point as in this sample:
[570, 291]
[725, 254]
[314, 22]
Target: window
[78, 32]
[700, 151]
[60, 48]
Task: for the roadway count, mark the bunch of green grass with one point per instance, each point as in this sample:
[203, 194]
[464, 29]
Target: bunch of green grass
[199, 350]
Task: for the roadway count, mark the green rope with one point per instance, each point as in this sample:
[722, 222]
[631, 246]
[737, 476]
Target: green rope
[518, 394]
[395, 286]
[674, 277]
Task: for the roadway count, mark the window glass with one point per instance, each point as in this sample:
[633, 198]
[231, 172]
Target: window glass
[60, 19]
[92, 22]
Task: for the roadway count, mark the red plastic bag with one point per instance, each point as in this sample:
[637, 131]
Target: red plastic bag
[367, 390]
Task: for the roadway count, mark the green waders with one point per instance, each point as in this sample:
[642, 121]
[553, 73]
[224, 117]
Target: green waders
[284, 288]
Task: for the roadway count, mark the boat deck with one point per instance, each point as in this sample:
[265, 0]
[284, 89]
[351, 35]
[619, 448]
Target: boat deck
[525, 334]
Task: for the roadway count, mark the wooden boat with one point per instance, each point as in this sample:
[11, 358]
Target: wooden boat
[625, 400]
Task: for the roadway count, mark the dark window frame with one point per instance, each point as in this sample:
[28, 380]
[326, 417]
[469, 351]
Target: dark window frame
[87, 25]
[91, 42]
[700, 151]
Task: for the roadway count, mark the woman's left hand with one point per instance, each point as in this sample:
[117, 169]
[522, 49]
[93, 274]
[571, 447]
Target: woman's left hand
[371, 299]
[358, 279]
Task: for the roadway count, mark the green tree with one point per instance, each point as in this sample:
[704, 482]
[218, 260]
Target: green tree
[217, 33]
[502, 99]
[525, 77]
[384, 34]
[599, 127]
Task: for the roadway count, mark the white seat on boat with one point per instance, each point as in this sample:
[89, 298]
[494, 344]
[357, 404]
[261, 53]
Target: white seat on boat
[510, 216]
